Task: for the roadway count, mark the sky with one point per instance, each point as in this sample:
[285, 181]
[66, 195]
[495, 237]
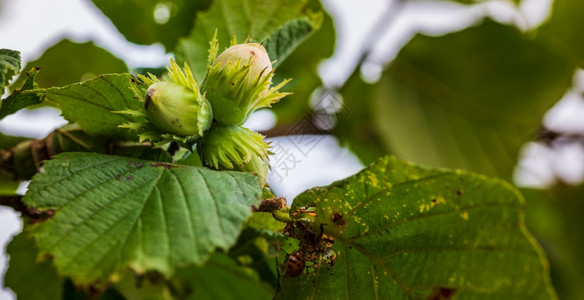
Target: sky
[31, 26]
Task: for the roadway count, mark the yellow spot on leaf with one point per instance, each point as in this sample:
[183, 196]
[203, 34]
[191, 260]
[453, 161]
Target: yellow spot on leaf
[464, 216]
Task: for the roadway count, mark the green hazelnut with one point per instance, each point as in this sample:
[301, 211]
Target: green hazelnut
[238, 82]
[176, 109]
[252, 53]
[231, 146]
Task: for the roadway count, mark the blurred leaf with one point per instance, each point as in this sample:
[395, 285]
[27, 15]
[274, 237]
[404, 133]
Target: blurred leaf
[469, 99]
[563, 30]
[90, 104]
[220, 278]
[28, 277]
[9, 141]
[555, 217]
[406, 232]
[20, 98]
[255, 20]
[68, 62]
[283, 42]
[356, 129]
[110, 213]
[302, 66]
[8, 185]
[142, 288]
[9, 66]
[136, 20]
[72, 292]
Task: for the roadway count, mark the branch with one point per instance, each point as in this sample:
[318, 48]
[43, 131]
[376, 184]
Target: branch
[15, 202]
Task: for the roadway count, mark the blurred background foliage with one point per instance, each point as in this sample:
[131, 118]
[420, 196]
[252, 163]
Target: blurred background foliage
[469, 99]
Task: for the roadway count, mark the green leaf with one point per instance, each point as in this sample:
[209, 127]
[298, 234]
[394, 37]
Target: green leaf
[555, 218]
[90, 104]
[254, 20]
[469, 99]
[356, 129]
[283, 41]
[220, 278]
[21, 98]
[141, 288]
[561, 33]
[28, 277]
[68, 62]
[112, 212]
[136, 20]
[302, 67]
[403, 231]
[9, 66]
[8, 185]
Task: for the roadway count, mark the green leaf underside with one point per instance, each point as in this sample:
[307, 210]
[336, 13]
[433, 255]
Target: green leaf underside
[301, 65]
[114, 212]
[411, 232]
[469, 99]
[136, 20]
[90, 104]
[283, 41]
[222, 278]
[20, 99]
[27, 277]
[9, 66]
[254, 20]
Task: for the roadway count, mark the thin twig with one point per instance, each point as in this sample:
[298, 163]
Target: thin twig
[384, 22]
[15, 202]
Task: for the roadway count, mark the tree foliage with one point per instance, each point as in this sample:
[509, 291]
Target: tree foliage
[110, 216]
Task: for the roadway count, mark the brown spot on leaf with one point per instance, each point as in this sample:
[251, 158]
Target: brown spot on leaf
[459, 192]
[38, 216]
[129, 178]
[433, 200]
[338, 219]
[442, 293]
[163, 165]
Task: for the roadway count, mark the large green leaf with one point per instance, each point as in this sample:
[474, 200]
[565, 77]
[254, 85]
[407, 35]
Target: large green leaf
[220, 278]
[563, 32]
[555, 218]
[20, 98]
[9, 66]
[29, 278]
[113, 212]
[68, 62]
[136, 20]
[90, 104]
[284, 40]
[302, 66]
[356, 129]
[255, 20]
[469, 99]
[403, 231]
